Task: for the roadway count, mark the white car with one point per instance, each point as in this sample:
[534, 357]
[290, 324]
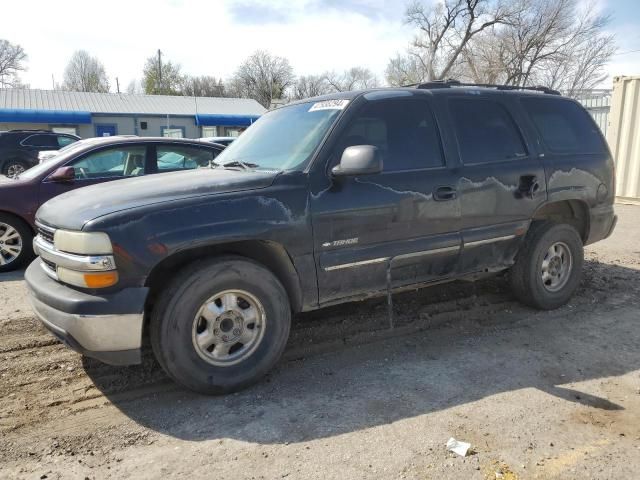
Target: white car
[47, 154]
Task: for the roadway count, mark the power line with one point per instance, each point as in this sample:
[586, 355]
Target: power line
[627, 52]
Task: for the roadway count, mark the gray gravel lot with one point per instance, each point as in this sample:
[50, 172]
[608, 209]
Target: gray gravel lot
[537, 394]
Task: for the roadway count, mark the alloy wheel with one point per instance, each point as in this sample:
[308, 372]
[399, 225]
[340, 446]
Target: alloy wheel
[14, 170]
[10, 244]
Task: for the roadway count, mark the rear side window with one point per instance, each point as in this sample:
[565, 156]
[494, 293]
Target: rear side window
[404, 131]
[485, 131]
[180, 157]
[564, 126]
[41, 141]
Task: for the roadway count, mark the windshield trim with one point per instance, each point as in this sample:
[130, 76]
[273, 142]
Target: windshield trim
[302, 166]
[314, 156]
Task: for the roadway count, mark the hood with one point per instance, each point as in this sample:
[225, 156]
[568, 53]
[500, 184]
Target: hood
[72, 210]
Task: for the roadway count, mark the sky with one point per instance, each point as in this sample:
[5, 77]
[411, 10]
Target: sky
[213, 37]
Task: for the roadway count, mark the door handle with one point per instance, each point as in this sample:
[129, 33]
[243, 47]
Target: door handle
[445, 193]
[529, 185]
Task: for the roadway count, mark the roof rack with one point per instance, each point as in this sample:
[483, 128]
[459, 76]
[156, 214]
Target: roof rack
[434, 84]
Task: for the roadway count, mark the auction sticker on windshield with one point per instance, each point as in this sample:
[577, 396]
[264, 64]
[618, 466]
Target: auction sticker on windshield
[329, 105]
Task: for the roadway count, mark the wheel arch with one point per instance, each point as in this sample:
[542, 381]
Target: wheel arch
[12, 157]
[21, 218]
[573, 212]
[271, 255]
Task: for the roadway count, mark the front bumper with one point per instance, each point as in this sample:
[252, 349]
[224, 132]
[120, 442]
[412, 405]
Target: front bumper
[107, 327]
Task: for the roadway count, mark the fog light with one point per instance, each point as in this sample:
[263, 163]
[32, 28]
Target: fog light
[88, 279]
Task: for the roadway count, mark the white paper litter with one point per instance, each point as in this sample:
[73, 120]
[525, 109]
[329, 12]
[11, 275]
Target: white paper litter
[456, 446]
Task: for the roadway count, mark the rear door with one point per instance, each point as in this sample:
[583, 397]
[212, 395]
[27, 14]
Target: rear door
[176, 157]
[502, 180]
[39, 142]
[406, 218]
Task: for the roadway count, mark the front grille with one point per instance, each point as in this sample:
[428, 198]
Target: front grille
[46, 234]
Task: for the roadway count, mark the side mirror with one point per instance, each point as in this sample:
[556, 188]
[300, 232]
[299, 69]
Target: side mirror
[63, 175]
[358, 160]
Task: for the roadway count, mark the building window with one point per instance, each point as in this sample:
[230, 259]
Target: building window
[67, 130]
[209, 131]
[172, 132]
[234, 132]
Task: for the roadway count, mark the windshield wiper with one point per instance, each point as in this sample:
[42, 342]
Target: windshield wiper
[237, 163]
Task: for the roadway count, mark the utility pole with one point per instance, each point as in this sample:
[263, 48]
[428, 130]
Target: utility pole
[117, 85]
[160, 71]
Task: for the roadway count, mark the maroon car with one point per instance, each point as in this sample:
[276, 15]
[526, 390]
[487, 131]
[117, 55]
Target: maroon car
[86, 162]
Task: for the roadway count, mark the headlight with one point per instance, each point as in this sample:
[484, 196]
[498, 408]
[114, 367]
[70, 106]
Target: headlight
[87, 243]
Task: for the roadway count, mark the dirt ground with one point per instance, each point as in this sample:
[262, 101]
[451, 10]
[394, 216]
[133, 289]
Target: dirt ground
[538, 394]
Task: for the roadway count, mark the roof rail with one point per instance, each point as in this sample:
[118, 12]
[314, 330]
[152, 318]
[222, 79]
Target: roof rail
[455, 83]
[29, 130]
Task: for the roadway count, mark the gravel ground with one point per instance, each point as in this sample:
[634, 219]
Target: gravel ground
[537, 394]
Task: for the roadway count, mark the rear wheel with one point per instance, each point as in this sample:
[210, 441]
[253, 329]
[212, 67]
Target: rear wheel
[15, 243]
[221, 325]
[13, 168]
[549, 266]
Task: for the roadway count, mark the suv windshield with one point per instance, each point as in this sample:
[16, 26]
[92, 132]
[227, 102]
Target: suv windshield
[283, 139]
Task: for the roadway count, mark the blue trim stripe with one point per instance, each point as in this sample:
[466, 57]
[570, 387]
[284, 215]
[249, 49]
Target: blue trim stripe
[218, 120]
[59, 117]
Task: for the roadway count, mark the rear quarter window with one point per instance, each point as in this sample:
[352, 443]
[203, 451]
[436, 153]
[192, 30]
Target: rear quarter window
[564, 126]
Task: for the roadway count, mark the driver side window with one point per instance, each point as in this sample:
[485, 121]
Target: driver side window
[111, 163]
[404, 131]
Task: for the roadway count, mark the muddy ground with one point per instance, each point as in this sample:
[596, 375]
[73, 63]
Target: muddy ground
[537, 394]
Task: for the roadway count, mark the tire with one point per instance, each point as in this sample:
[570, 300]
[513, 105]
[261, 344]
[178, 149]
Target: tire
[14, 234]
[548, 242]
[177, 324]
[14, 166]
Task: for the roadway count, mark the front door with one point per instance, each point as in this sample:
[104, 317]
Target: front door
[111, 163]
[502, 181]
[405, 219]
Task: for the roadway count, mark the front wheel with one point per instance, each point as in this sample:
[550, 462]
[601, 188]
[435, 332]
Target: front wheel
[221, 325]
[15, 243]
[549, 266]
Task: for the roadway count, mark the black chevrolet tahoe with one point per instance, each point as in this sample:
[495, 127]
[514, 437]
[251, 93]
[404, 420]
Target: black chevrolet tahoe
[326, 200]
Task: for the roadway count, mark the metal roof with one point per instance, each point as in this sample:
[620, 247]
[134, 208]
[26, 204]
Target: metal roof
[17, 99]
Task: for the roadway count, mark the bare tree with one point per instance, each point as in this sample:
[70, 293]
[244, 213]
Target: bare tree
[560, 44]
[263, 77]
[404, 70]
[135, 87]
[353, 79]
[445, 29]
[12, 59]
[310, 86]
[162, 78]
[203, 86]
[85, 73]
